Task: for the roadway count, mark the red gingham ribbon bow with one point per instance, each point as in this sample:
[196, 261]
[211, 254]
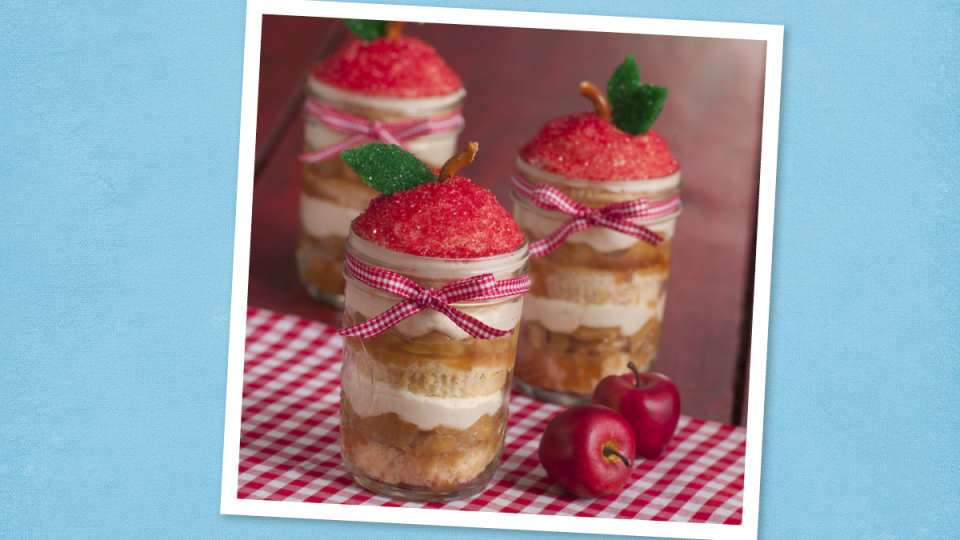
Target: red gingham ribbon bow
[615, 216]
[482, 287]
[364, 130]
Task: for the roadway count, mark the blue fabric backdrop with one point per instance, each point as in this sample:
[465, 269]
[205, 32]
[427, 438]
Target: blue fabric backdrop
[119, 127]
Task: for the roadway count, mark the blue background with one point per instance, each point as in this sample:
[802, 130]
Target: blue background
[119, 129]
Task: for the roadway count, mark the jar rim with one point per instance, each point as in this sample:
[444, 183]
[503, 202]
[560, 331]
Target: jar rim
[436, 267]
[652, 185]
[408, 106]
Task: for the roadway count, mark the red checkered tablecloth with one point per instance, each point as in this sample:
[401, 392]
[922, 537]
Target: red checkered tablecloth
[290, 448]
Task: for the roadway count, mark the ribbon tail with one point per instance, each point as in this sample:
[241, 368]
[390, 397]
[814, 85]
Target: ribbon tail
[388, 138]
[469, 324]
[383, 322]
[551, 242]
[637, 231]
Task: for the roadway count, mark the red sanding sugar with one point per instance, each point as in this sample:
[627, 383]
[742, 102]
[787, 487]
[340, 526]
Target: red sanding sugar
[405, 67]
[587, 146]
[456, 219]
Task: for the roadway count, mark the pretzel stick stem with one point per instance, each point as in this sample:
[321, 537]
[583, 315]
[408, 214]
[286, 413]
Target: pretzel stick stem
[600, 103]
[458, 161]
[393, 30]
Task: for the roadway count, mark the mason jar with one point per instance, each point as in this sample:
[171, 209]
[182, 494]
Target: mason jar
[424, 406]
[332, 195]
[596, 302]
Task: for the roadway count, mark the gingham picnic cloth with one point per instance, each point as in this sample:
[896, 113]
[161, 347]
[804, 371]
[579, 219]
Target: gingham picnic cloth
[290, 449]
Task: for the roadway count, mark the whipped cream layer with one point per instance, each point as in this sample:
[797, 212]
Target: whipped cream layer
[565, 317]
[502, 315]
[369, 398]
[434, 149]
[322, 218]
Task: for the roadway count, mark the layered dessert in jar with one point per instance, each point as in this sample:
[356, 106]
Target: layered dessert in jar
[597, 194]
[381, 85]
[435, 276]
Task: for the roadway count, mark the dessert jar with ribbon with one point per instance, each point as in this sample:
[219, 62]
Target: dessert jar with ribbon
[379, 86]
[597, 194]
[435, 276]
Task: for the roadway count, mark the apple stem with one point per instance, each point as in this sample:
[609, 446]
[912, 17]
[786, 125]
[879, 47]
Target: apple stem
[600, 103]
[609, 450]
[636, 373]
[393, 30]
[458, 161]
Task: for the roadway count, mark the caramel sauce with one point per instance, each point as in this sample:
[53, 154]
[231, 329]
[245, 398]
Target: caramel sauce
[393, 348]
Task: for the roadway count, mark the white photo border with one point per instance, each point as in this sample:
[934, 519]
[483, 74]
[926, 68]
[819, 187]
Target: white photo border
[771, 34]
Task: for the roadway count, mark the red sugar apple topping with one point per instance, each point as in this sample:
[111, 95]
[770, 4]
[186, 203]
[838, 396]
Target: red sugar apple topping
[403, 68]
[455, 219]
[589, 147]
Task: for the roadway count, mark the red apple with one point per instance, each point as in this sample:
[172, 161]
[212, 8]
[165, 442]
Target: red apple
[649, 401]
[584, 449]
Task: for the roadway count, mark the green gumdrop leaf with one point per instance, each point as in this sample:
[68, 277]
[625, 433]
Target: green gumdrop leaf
[635, 106]
[624, 82]
[367, 29]
[636, 115]
[387, 168]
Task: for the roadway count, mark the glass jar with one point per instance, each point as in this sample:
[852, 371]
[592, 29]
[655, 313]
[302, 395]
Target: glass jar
[424, 406]
[596, 302]
[332, 195]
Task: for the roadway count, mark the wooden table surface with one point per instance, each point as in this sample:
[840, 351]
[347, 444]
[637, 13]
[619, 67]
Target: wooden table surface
[516, 80]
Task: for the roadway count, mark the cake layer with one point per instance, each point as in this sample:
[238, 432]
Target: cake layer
[391, 450]
[392, 466]
[440, 376]
[585, 285]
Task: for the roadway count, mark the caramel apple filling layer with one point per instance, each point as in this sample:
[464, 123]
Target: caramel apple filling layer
[435, 364]
[319, 261]
[577, 361]
[392, 451]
